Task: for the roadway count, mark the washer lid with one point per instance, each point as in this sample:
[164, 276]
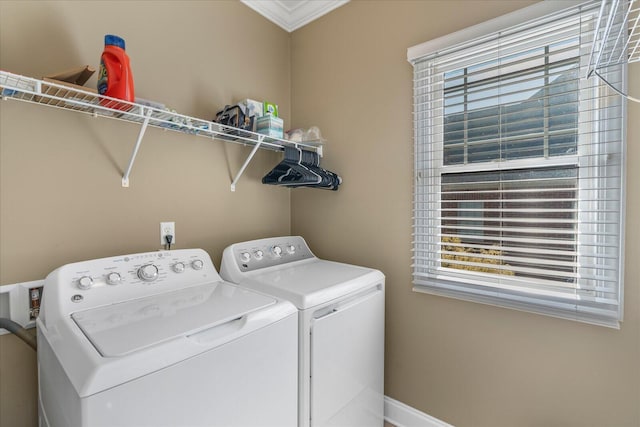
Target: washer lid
[122, 328]
[309, 283]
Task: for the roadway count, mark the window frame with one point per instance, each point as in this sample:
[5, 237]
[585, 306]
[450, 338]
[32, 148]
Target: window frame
[587, 114]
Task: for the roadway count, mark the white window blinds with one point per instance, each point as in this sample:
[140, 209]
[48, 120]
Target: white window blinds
[519, 172]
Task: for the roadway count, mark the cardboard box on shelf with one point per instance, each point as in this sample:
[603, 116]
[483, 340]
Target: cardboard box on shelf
[73, 79]
[75, 76]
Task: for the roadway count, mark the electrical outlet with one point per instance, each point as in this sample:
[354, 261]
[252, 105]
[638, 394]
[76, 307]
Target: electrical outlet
[167, 228]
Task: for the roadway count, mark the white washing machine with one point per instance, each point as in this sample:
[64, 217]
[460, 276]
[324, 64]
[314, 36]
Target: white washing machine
[159, 339]
[341, 326]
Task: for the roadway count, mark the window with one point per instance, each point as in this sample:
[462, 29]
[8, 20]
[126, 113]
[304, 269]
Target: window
[519, 189]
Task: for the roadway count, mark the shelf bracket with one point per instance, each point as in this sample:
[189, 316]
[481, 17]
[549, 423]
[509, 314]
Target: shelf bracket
[246, 162]
[143, 129]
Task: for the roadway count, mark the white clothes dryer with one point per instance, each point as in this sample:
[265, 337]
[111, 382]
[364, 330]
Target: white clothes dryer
[159, 339]
[341, 326]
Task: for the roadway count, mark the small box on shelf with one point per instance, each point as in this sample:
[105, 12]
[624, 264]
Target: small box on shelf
[270, 126]
[270, 109]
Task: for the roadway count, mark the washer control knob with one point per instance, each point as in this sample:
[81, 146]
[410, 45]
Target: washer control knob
[245, 257]
[178, 267]
[85, 282]
[276, 251]
[114, 278]
[197, 264]
[148, 272]
[291, 249]
[258, 254]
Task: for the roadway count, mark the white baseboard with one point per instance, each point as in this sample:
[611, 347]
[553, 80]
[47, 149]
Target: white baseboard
[401, 415]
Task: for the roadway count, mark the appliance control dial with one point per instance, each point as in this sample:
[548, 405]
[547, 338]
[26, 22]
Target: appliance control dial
[245, 257]
[291, 249]
[197, 264]
[148, 272]
[85, 282]
[276, 251]
[258, 254]
[178, 267]
[114, 278]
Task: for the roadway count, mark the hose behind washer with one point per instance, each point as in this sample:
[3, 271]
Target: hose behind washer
[19, 331]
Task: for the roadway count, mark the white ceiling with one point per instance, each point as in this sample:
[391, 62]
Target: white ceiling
[293, 14]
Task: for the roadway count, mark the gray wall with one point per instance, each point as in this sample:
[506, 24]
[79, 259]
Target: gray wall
[61, 198]
[468, 364]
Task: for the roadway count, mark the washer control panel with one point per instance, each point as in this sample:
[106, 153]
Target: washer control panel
[257, 254]
[94, 283]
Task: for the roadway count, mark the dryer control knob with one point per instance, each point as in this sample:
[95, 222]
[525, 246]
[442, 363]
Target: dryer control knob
[276, 251]
[245, 257]
[291, 249]
[178, 267]
[258, 254]
[148, 272]
[197, 264]
[114, 278]
[85, 282]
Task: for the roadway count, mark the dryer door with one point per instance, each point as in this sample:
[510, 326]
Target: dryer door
[347, 363]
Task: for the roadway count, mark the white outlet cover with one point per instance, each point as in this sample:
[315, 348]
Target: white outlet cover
[167, 228]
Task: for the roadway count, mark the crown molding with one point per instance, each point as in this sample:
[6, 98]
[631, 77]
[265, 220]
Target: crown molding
[293, 14]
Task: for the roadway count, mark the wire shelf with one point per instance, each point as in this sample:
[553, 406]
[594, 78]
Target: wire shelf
[83, 100]
[616, 39]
